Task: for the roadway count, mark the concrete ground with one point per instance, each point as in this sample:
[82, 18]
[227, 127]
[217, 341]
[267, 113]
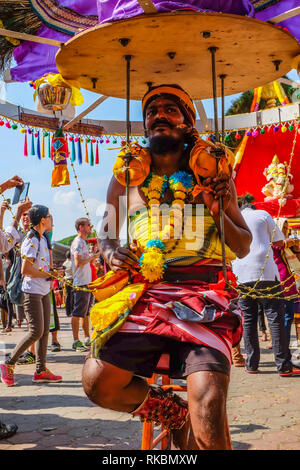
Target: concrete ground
[263, 409]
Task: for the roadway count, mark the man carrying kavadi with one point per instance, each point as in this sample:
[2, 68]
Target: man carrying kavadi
[166, 293]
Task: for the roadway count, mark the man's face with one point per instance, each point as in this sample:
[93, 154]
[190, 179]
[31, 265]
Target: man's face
[25, 220]
[86, 229]
[162, 118]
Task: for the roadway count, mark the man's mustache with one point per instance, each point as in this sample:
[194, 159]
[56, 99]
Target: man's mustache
[161, 121]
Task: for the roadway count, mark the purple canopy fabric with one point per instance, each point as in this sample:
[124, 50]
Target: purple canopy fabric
[34, 60]
[112, 10]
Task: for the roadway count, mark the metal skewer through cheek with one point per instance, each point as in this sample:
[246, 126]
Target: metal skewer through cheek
[213, 68]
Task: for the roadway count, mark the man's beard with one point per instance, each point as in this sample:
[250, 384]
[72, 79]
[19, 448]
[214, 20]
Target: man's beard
[163, 144]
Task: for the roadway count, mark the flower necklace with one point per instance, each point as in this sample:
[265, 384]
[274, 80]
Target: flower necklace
[181, 183]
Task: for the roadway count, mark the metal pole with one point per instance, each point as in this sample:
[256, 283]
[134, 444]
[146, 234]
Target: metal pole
[128, 155]
[222, 77]
[214, 84]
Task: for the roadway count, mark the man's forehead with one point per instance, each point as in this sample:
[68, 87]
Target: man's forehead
[162, 100]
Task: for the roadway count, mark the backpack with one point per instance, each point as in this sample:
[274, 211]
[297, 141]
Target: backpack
[14, 284]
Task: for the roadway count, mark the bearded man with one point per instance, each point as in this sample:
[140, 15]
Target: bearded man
[182, 315]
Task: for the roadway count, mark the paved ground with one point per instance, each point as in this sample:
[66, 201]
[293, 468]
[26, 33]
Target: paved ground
[263, 409]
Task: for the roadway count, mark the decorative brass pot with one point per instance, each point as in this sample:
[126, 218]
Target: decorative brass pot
[54, 98]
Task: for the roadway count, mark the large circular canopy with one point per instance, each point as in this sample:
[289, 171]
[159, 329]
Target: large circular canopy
[174, 48]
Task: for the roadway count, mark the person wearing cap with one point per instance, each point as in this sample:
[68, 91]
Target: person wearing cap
[36, 272]
[184, 315]
[82, 276]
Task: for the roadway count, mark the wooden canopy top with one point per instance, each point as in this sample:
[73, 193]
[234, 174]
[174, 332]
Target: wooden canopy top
[174, 48]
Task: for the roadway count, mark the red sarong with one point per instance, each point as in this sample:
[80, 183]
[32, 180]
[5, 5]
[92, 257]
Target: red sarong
[195, 312]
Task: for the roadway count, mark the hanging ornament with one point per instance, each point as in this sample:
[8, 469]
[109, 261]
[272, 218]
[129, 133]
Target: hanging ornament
[59, 154]
[25, 145]
[73, 154]
[97, 154]
[32, 144]
[86, 152]
[79, 153]
[91, 154]
[43, 146]
[38, 150]
[49, 146]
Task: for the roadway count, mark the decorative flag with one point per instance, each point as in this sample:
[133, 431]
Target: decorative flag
[59, 155]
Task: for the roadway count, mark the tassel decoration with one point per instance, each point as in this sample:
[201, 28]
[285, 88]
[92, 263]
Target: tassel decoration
[91, 155]
[73, 154]
[25, 145]
[43, 146]
[38, 150]
[79, 153]
[32, 144]
[86, 153]
[97, 154]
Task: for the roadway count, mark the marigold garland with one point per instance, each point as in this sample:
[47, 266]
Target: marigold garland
[181, 183]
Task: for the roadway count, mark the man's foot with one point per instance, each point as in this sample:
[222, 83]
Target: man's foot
[7, 430]
[264, 336]
[7, 374]
[46, 376]
[55, 347]
[79, 346]
[251, 371]
[8, 329]
[290, 373]
[87, 342]
[26, 358]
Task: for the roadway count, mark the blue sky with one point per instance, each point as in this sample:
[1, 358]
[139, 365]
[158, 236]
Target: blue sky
[65, 202]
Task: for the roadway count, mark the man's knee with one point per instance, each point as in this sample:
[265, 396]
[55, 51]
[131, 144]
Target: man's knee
[94, 385]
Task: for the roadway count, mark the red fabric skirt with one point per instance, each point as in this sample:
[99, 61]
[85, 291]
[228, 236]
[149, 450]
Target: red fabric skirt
[190, 310]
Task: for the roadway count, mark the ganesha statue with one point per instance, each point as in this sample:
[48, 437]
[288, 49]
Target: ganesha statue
[279, 182]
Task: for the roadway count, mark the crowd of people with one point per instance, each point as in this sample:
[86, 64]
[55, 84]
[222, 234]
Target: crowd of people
[32, 290]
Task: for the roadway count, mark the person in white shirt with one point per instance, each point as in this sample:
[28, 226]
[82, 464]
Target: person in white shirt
[82, 276]
[259, 269]
[36, 288]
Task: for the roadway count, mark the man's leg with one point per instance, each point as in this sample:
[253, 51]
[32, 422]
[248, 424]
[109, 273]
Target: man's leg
[111, 387]
[207, 394]
[274, 310]
[249, 307]
[75, 328]
[85, 324]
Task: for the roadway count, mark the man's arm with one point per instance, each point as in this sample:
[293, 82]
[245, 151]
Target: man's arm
[28, 269]
[79, 261]
[116, 257]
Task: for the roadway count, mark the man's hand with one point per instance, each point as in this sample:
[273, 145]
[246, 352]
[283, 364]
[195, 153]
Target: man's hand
[3, 207]
[94, 256]
[23, 206]
[11, 183]
[221, 188]
[122, 258]
[3, 284]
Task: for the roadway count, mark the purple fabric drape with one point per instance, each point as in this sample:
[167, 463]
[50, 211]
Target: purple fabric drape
[292, 24]
[35, 60]
[112, 10]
